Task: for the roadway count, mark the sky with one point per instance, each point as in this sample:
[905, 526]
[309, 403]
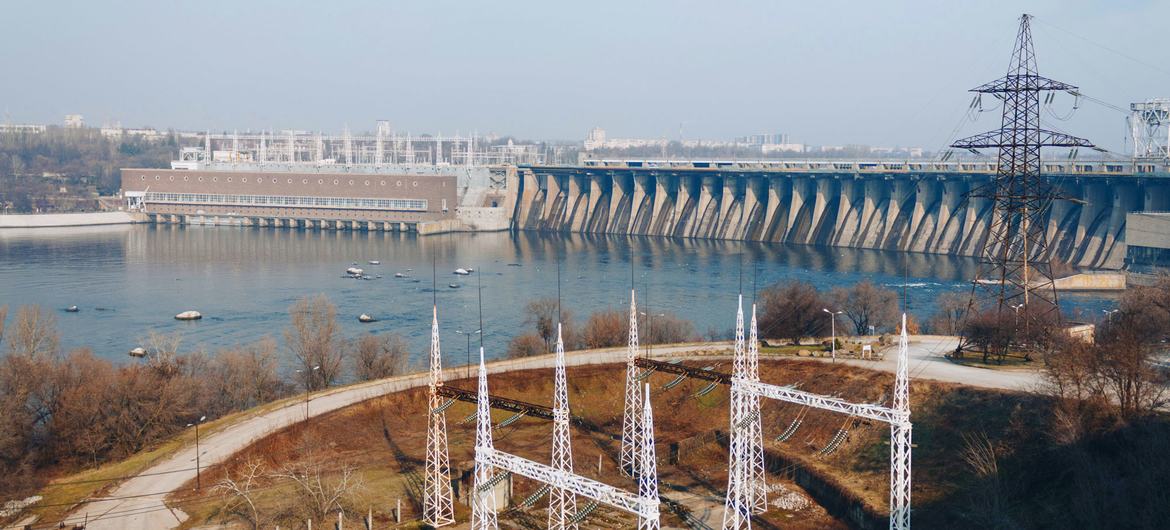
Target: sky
[889, 73]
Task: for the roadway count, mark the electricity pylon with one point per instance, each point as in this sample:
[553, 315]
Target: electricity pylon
[1015, 267]
[753, 435]
[483, 498]
[900, 439]
[630, 424]
[438, 507]
[562, 503]
[648, 464]
[737, 507]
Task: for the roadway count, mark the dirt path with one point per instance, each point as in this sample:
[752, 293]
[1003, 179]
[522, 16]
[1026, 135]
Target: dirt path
[139, 503]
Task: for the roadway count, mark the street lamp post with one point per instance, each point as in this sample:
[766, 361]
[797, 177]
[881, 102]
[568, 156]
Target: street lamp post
[833, 326]
[1017, 310]
[198, 475]
[1109, 313]
[468, 334]
[308, 377]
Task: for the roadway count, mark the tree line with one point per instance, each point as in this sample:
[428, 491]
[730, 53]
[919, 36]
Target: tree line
[80, 156]
[61, 411]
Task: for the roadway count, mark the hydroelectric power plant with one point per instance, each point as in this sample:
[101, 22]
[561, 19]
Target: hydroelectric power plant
[906, 206]
[913, 206]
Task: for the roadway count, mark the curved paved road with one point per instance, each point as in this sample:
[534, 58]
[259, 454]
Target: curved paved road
[138, 503]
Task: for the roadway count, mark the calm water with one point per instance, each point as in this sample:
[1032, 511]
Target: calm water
[244, 280]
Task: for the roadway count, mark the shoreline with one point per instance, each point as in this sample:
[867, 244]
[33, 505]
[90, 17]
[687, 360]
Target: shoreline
[57, 220]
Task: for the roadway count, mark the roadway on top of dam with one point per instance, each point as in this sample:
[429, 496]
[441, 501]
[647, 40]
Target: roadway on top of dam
[876, 168]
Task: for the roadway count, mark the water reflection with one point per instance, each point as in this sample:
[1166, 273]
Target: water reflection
[244, 279]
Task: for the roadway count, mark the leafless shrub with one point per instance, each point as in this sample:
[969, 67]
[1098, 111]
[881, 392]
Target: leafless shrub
[320, 491]
[378, 356]
[606, 328]
[666, 328]
[526, 345]
[246, 376]
[240, 491]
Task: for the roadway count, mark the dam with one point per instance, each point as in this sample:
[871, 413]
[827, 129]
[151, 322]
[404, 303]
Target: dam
[888, 205]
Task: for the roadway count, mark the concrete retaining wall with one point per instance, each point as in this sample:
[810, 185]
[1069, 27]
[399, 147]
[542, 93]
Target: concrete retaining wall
[69, 219]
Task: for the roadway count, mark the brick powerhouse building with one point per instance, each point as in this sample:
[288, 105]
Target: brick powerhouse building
[284, 198]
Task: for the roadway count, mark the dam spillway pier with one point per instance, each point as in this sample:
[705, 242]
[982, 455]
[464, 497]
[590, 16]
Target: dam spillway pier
[888, 205]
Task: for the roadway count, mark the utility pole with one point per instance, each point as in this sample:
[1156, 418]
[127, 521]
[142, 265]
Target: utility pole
[1014, 260]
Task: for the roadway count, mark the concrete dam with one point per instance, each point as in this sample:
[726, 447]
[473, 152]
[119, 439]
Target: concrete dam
[904, 206]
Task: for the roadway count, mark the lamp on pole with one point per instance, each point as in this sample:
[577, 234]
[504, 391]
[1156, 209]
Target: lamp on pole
[833, 326]
[308, 378]
[468, 334]
[198, 475]
[1109, 313]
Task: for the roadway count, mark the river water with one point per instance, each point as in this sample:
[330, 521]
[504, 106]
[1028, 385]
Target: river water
[131, 280]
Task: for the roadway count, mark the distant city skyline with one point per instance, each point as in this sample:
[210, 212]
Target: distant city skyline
[890, 74]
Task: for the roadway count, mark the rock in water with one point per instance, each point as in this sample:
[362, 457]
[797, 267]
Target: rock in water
[189, 315]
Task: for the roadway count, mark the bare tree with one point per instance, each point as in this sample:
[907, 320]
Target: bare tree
[543, 314]
[949, 318]
[792, 310]
[666, 328]
[1127, 364]
[866, 304]
[241, 490]
[162, 351]
[315, 341]
[378, 356]
[33, 333]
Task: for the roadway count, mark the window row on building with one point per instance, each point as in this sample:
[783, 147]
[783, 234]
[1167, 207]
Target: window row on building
[347, 203]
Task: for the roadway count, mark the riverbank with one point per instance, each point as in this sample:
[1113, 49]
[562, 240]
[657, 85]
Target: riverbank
[50, 220]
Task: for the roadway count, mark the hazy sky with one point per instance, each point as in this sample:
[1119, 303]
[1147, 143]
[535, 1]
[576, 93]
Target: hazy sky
[826, 72]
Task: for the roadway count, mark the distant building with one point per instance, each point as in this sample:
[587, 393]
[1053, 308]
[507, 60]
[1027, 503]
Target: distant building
[74, 121]
[596, 139]
[21, 128]
[118, 132]
[763, 139]
[782, 148]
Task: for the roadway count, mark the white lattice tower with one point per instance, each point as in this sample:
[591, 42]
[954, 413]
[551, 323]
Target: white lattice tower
[753, 436]
[900, 431]
[630, 424]
[438, 507]
[648, 464]
[736, 508]
[483, 499]
[562, 504]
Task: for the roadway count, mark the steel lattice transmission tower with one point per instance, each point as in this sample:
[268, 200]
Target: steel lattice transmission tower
[438, 507]
[900, 439]
[754, 429]
[483, 499]
[1014, 258]
[647, 464]
[631, 426]
[562, 503]
[737, 509]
